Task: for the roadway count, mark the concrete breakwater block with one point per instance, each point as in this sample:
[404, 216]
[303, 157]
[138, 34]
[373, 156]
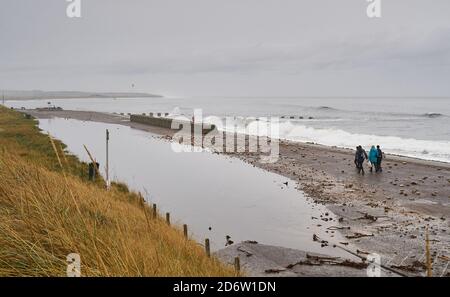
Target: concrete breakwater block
[167, 123]
[297, 117]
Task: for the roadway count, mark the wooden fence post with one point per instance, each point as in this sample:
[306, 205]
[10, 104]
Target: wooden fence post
[207, 248]
[237, 264]
[154, 211]
[185, 231]
[168, 218]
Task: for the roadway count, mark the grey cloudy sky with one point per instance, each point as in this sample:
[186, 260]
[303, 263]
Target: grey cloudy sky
[228, 47]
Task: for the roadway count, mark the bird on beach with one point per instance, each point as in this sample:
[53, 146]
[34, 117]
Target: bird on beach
[286, 183]
[229, 241]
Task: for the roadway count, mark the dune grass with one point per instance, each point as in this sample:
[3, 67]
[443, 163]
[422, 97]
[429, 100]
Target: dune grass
[48, 212]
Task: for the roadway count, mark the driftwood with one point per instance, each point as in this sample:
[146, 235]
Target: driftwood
[324, 260]
[338, 228]
[272, 270]
[247, 253]
[358, 235]
[413, 267]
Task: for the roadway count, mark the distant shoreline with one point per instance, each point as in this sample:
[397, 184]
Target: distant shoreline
[52, 95]
[105, 117]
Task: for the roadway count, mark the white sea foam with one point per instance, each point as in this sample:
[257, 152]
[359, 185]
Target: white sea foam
[422, 149]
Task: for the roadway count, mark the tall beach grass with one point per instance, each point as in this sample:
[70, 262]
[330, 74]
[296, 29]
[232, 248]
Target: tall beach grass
[48, 210]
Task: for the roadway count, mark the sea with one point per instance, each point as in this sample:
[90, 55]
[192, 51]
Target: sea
[413, 127]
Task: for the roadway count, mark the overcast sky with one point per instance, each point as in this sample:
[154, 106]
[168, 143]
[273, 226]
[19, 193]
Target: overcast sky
[228, 47]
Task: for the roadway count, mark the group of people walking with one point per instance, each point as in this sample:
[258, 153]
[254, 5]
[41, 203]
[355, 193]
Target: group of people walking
[375, 157]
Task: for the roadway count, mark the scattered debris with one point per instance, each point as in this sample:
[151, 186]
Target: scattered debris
[319, 260]
[251, 241]
[445, 258]
[362, 252]
[247, 253]
[358, 235]
[413, 267]
[338, 228]
[228, 240]
[274, 270]
[368, 217]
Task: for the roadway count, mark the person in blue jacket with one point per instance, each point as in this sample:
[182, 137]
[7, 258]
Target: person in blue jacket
[373, 158]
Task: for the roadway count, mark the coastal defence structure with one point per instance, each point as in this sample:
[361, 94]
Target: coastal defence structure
[165, 122]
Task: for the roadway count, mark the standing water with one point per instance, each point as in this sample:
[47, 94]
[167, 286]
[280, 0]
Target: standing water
[215, 195]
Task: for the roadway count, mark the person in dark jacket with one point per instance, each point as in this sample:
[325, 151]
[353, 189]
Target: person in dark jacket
[360, 157]
[379, 159]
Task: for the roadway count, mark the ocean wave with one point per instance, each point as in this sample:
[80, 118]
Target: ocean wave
[380, 114]
[422, 149]
[409, 147]
[326, 108]
[432, 115]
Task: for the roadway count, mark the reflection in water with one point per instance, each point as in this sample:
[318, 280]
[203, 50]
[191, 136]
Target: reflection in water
[214, 194]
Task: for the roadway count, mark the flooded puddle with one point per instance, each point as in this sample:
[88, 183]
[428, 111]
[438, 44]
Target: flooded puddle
[214, 194]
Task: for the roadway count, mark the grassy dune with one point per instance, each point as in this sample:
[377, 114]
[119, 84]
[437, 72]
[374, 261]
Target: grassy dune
[48, 211]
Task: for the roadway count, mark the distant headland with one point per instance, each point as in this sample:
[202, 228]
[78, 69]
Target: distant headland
[38, 94]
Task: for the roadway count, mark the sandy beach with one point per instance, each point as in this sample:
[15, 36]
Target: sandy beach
[388, 213]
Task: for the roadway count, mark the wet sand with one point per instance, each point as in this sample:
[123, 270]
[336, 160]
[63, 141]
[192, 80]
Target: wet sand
[385, 213]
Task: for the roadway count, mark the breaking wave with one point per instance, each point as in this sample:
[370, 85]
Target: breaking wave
[422, 149]
[409, 147]
[432, 115]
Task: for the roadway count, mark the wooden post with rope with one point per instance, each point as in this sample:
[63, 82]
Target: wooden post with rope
[94, 163]
[108, 182]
